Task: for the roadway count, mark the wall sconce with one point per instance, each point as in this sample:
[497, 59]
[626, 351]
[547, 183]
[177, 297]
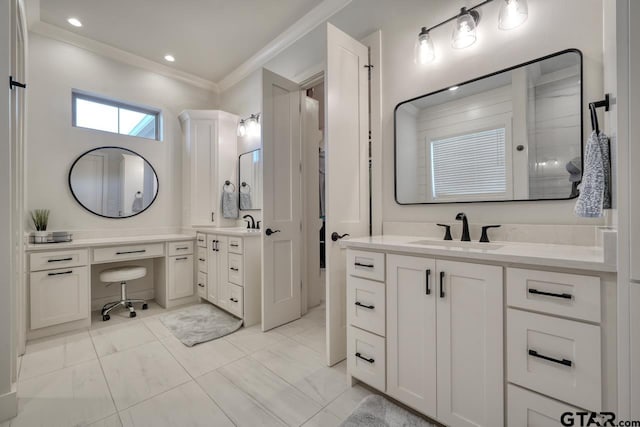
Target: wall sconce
[242, 128]
[512, 14]
[464, 33]
[249, 126]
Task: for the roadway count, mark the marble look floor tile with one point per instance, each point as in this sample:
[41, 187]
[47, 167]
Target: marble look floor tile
[202, 358]
[296, 327]
[344, 404]
[253, 339]
[186, 405]
[141, 372]
[112, 421]
[119, 338]
[290, 360]
[314, 338]
[242, 409]
[323, 418]
[156, 327]
[51, 354]
[68, 397]
[324, 385]
[271, 391]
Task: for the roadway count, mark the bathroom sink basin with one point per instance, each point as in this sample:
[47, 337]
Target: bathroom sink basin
[458, 244]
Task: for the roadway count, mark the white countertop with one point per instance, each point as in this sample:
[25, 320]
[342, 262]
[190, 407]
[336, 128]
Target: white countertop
[231, 231]
[110, 241]
[563, 256]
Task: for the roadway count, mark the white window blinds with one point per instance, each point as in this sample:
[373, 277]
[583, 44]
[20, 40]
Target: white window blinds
[469, 164]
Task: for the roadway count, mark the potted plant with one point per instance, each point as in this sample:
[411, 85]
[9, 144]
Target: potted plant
[40, 218]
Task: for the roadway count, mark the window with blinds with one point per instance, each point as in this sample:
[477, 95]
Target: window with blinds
[469, 164]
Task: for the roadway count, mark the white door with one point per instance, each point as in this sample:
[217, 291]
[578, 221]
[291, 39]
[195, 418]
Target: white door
[470, 374]
[282, 204]
[347, 171]
[411, 331]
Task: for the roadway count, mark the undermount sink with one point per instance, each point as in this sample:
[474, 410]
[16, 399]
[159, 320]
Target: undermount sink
[458, 244]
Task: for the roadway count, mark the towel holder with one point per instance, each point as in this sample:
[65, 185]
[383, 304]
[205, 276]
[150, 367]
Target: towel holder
[247, 186]
[229, 183]
[606, 103]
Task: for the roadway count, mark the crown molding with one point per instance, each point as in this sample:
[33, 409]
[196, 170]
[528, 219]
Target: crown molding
[103, 49]
[295, 32]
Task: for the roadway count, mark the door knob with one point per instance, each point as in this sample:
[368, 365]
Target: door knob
[269, 232]
[335, 236]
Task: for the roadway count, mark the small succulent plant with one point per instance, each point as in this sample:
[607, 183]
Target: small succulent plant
[40, 218]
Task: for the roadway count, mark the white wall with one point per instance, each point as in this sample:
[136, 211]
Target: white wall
[55, 69]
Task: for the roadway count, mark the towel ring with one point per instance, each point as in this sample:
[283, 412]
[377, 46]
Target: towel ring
[245, 185]
[229, 183]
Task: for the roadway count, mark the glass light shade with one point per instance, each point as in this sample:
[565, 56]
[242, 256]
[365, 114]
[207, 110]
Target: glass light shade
[242, 129]
[512, 14]
[464, 33]
[253, 125]
[424, 50]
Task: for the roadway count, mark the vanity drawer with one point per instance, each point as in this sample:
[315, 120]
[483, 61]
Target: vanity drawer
[366, 357]
[58, 296]
[557, 357]
[117, 253]
[202, 259]
[567, 295]
[235, 245]
[235, 269]
[235, 302]
[59, 259]
[180, 248]
[202, 285]
[368, 265]
[529, 409]
[366, 304]
[201, 240]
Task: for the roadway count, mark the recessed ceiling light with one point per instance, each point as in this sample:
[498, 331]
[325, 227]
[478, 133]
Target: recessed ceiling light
[75, 22]
[454, 87]
[169, 58]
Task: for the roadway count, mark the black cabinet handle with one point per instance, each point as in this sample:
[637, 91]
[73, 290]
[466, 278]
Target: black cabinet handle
[564, 362]
[550, 294]
[428, 287]
[61, 273]
[358, 264]
[200, 240]
[234, 269]
[233, 300]
[182, 258]
[335, 236]
[369, 307]
[442, 284]
[358, 355]
[141, 251]
[201, 285]
[60, 260]
[214, 245]
[184, 248]
[234, 245]
[202, 259]
[269, 232]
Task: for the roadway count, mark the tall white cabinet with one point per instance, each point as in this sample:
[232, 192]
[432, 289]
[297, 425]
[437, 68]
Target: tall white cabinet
[210, 159]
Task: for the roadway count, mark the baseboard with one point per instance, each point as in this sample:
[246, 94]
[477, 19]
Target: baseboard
[9, 405]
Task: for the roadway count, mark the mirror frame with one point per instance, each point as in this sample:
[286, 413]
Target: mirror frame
[239, 179]
[119, 148]
[395, 142]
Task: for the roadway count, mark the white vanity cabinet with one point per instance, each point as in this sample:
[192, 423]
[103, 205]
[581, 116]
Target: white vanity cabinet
[210, 156]
[180, 270]
[217, 264]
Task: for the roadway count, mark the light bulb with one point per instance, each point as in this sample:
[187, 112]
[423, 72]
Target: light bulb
[242, 129]
[512, 14]
[253, 127]
[464, 33]
[424, 51]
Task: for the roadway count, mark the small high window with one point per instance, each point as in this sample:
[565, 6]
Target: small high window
[97, 113]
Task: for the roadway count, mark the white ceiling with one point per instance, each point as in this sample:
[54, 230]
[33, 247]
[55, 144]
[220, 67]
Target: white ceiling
[209, 38]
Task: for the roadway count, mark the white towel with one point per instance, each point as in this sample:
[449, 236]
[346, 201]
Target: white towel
[230, 205]
[245, 201]
[595, 190]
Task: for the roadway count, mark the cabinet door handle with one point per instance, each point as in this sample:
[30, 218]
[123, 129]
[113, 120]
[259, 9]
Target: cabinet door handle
[233, 300]
[214, 245]
[60, 259]
[358, 264]
[565, 362]
[201, 285]
[233, 245]
[550, 294]
[61, 273]
[201, 259]
[200, 240]
[182, 258]
[442, 284]
[428, 287]
[360, 356]
[234, 269]
[213, 217]
[369, 307]
[141, 251]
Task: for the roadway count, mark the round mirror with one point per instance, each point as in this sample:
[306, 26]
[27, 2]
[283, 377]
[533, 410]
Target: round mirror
[113, 182]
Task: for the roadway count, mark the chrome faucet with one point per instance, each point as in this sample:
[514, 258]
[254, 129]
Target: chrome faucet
[465, 227]
[251, 225]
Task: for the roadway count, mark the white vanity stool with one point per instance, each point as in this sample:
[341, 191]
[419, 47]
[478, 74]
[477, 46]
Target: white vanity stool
[122, 274]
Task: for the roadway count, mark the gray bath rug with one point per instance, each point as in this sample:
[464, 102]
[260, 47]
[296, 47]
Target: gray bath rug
[376, 411]
[200, 323]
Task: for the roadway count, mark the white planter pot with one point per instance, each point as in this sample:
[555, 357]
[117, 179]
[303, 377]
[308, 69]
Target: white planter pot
[40, 237]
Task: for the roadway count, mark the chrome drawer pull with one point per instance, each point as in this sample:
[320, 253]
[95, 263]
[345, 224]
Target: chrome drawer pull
[141, 251]
[58, 274]
[182, 258]
[550, 294]
[370, 307]
[564, 362]
[358, 355]
[357, 264]
[60, 260]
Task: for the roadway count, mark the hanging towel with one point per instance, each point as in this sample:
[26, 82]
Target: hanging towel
[245, 201]
[230, 204]
[137, 204]
[595, 190]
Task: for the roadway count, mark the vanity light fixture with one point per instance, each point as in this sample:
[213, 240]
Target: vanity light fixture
[249, 126]
[169, 58]
[464, 33]
[242, 129]
[75, 22]
[512, 14]
[424, 50]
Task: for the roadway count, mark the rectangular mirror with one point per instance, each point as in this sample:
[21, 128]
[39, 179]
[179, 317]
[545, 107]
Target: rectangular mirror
[250, 179]
[514, 135]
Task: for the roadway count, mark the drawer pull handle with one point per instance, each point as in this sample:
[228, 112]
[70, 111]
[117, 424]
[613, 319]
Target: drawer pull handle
[358, 355]
[428, 287]
[201, 285]
[183, 248]
[564, 362]
[182, 258]
[58, 274]
[234, 269]
[369, 307]
[201, 259]
[357, 264]
[60, 260]
[233, 245]
[214, 245]
[233, 300]
[442, 284]
[550, 294]
[141, 251]
[200, 240]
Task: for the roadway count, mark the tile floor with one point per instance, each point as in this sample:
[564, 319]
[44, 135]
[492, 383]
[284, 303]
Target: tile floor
[133, 372]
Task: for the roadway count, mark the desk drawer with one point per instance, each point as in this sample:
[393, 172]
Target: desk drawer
[366, 304]
[235, 269]
[366, 359]
[556, 357]
[201, 240]
[202, 260]
[368, 265]
[118, 253]
[58, 259]
[235, 245]
[567, 295]
[235, 305]
[180, 248]
[529, 409]
[202, 285]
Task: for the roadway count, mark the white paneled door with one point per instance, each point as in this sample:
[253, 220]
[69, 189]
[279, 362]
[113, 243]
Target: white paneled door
[282, 206]
[347, 171]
